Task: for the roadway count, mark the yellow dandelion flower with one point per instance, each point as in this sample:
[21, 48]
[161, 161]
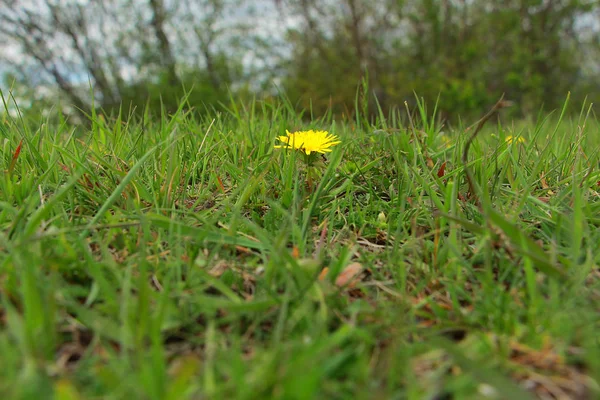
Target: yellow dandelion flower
[510, 139]
[447, 141]
[308, 141]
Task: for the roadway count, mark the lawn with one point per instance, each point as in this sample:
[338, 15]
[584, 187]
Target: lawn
[182, 256]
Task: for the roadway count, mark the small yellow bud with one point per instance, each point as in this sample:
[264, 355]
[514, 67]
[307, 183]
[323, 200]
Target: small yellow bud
[381, 218]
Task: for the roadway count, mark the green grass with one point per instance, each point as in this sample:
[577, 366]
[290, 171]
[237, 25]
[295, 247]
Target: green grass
[181, 257]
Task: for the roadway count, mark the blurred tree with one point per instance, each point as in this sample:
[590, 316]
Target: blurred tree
[165, 54]
[466, 52]
[332, 48]
[131, 52]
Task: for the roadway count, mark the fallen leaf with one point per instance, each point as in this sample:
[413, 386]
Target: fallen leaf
[543, 181]
[15, 157]
[221, 186]
[295, 252]
[219, 268]
[244, 250]
[323, 274]
[442, 170]
[348, 277]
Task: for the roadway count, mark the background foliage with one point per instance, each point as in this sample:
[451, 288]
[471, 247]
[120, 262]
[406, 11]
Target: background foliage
[463, 53]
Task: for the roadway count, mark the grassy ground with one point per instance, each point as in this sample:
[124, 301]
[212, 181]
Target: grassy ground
[184, 257]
